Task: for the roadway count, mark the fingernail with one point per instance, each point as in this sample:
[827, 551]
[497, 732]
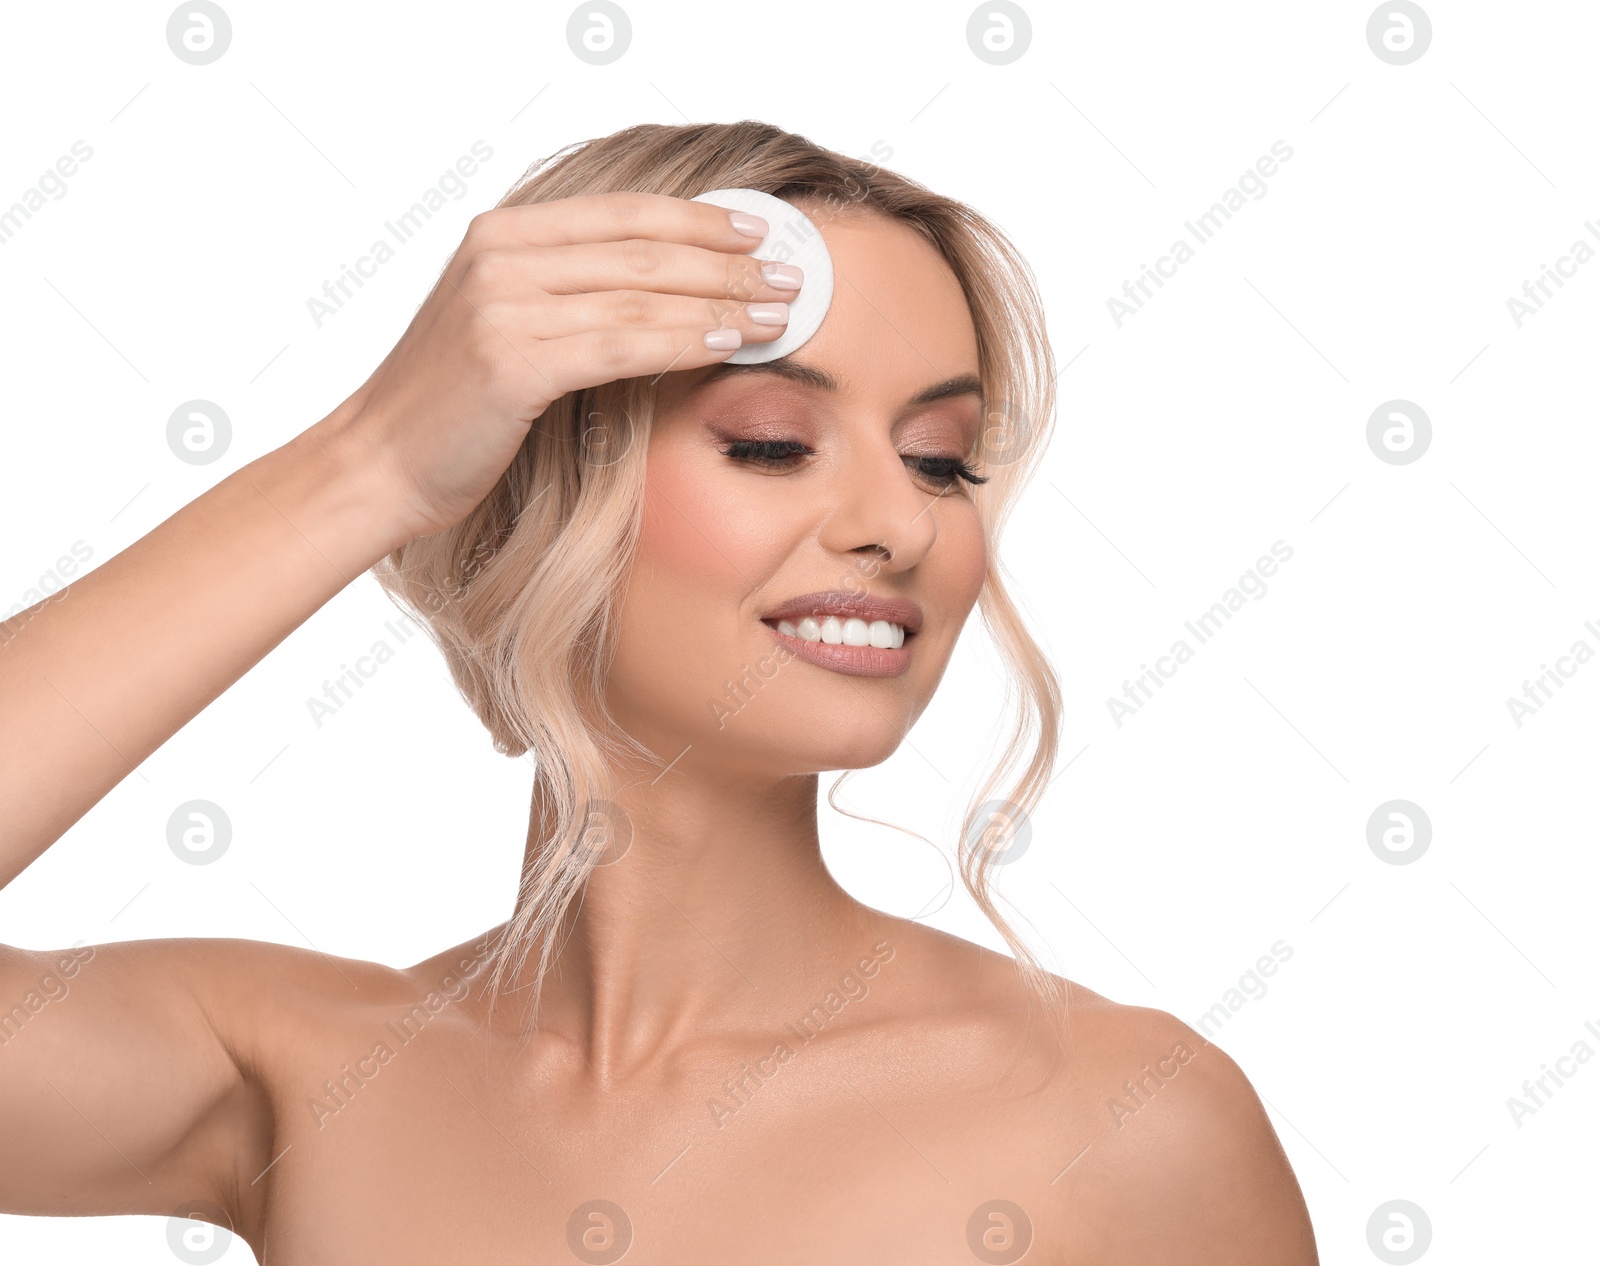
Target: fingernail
[723, 340]
[782, 276]
[749, 225]
[769, 313]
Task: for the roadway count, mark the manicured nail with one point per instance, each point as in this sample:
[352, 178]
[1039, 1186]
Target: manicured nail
[749, 225]
[782, 276]
[723, 340]
[769, 313]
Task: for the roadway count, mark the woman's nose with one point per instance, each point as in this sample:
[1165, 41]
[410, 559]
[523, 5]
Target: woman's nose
[877, 512]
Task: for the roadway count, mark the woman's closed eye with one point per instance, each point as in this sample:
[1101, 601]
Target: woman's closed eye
[778, 454]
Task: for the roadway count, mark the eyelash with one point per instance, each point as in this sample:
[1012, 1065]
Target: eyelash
[775, 453]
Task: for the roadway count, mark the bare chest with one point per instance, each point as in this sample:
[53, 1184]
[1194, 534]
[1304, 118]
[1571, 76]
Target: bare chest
[433, 1155]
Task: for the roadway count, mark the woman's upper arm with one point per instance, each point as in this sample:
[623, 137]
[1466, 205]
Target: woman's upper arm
[119, 1091]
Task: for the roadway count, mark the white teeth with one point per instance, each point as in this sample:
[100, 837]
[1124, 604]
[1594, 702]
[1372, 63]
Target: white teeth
[852, 631]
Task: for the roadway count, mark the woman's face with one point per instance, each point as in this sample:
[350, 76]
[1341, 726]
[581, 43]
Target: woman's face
[727, 541]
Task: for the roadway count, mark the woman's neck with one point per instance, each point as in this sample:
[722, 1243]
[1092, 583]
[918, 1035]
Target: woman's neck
[718, 917]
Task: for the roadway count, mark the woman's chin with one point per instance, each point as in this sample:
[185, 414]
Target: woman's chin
[862, 749]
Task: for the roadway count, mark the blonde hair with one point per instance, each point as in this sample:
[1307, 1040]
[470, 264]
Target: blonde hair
[521, 594]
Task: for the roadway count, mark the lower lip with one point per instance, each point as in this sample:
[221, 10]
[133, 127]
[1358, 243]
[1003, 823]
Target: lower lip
[853, 661]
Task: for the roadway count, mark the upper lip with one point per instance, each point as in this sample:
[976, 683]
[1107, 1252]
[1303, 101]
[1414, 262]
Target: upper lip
[901, 611]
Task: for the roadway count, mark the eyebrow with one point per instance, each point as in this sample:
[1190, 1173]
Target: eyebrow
[810, 376]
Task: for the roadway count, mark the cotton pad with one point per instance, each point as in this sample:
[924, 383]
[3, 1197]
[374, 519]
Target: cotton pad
[791, 239]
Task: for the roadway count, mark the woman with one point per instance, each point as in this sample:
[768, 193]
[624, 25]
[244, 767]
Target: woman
[687, 1043]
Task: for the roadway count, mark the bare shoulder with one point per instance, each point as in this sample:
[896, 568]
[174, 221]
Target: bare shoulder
[232, 979]
[269, 1005]
[1136, 1102]
[268, 991]
[1176, 1114]
[245, 980]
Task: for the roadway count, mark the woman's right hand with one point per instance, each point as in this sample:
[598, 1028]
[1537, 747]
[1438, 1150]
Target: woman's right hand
[541, 300]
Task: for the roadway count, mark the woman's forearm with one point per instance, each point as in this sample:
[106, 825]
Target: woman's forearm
[99, 676]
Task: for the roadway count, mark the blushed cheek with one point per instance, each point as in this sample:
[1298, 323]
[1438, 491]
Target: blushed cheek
[964, 559]
[678, 538]
[700, 537]
[688, 602]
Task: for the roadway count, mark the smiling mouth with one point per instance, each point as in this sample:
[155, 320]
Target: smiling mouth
[859, 634]
[851, 650]
[834, 630]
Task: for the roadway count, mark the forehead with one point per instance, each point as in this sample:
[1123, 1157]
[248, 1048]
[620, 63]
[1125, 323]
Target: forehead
[898, 320]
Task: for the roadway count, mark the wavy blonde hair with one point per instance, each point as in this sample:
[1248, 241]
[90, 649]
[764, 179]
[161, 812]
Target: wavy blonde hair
[521, 595]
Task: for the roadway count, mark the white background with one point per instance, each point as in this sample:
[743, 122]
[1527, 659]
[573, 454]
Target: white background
[1229, 813]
